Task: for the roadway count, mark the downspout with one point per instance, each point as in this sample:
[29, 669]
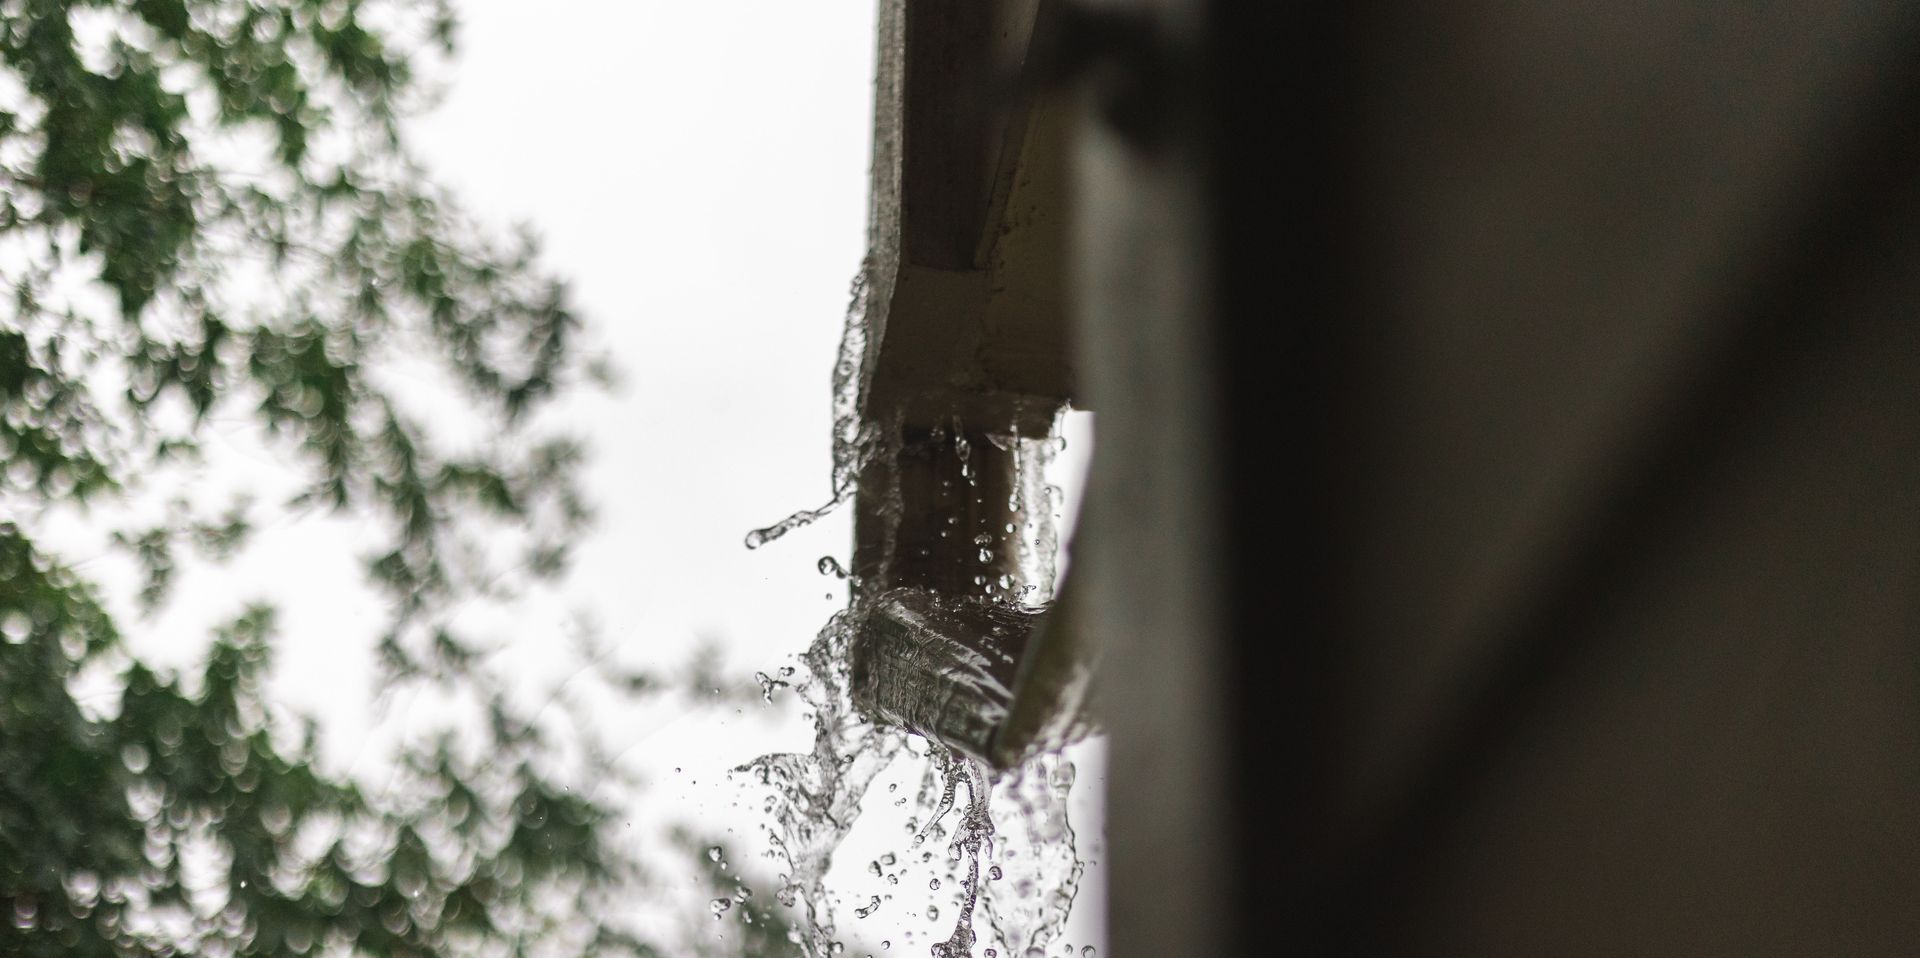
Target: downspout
[964, 375]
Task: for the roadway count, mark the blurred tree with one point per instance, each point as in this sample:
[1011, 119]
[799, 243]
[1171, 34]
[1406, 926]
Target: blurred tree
[207, 210]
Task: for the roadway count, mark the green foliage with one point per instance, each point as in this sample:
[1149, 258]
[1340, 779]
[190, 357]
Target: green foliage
[185, 824]
[208, 214]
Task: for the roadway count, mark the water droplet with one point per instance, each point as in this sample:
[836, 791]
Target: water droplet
[720, 906]
[768, 683]
[995, 874]
[934, 884]
[888, 859]
[714, 852]
[1087, 952]
[873, 905]
[933, 912]
[884, 945]
[828, 565]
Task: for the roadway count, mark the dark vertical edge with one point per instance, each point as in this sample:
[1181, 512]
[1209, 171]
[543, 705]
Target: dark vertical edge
[947, 173]
[1271, 81]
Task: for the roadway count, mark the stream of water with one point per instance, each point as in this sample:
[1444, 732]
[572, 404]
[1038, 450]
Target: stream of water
[998, 852]
[991, 860]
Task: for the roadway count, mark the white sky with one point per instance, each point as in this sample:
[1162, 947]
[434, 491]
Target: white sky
[699, 172]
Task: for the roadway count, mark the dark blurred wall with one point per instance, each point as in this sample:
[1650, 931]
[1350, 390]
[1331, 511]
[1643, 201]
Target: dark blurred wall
[1506, 511]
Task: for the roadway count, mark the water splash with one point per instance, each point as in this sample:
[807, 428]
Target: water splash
[1037, 879]
[973, 838]
[760, 537]
[768, 684]
[1022, 874]
[855, 443]
[1032, 888]
[816, 795]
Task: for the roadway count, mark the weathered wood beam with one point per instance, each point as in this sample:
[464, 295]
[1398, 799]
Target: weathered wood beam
[967, 314]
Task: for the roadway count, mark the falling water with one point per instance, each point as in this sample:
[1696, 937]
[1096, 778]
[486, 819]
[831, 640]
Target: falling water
[1011, 845]
[854, 443]
[1020, 872]
[816, 795]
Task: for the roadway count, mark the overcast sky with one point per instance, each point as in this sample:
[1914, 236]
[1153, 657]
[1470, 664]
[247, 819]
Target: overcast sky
[699, 172]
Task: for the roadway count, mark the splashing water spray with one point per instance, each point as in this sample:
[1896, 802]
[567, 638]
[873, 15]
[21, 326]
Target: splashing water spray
[953, 633]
